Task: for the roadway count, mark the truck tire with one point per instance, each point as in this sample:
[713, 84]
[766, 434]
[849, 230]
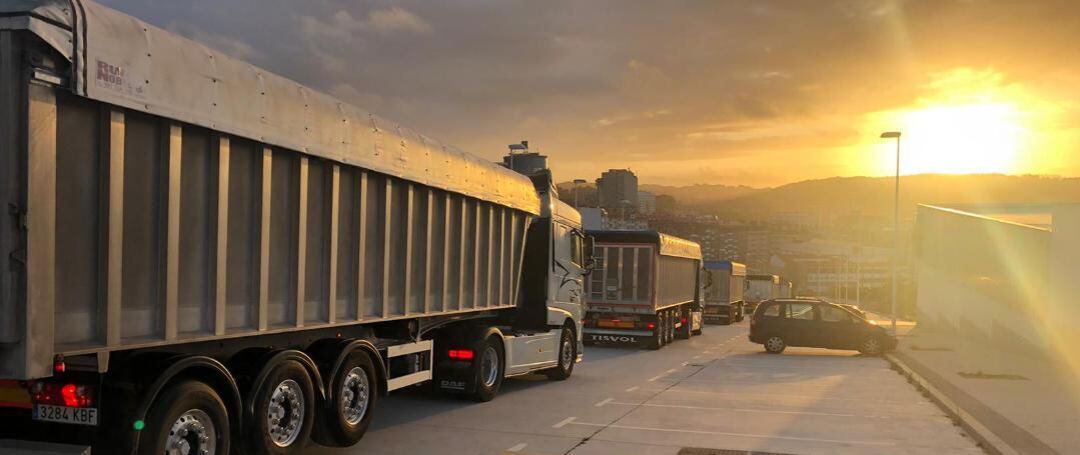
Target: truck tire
[189, 415]
[567, 356]
[284, 411]
[671, 317]
[352, 396]
[488, 369]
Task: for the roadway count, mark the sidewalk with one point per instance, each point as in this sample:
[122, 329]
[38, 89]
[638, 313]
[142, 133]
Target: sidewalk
[1012, 403]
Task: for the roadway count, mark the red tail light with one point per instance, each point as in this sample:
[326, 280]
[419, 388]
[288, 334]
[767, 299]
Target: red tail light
[650, 325]
[70, 395]
[684, 320]
[461, 354]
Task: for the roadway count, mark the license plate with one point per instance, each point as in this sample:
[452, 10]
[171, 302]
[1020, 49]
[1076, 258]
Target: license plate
[64, 414]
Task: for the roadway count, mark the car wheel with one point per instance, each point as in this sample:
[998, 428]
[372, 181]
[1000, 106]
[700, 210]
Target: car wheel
[775, 345]
[871, 346]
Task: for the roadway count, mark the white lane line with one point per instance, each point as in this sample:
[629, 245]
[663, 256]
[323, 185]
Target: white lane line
[632, 389]
[671, 371]
[761, 411]
[517, 448]
[606, 401]
[564, 422]
[745, 435]
[655, 378]
[678, 390]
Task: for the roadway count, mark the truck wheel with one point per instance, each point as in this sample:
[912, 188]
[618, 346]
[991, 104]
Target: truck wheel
[775, 344]
[488, 370]
[284, 410]
[671, 317]
[353, 393]
[189, 417]
[567, 356]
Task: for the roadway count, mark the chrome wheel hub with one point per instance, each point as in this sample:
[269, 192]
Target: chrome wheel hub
[285, 414]
[489, 366]
[775, 343]
[355, 394]
[192, 433]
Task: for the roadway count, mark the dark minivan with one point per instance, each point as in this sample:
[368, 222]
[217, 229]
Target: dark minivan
[815, 323]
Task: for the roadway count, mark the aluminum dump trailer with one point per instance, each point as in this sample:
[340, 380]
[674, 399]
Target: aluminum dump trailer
[187, 232]
[760, 288]
[724, 283]
[645, 289]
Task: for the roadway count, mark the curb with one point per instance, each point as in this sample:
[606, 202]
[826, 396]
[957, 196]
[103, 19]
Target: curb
[987, 440]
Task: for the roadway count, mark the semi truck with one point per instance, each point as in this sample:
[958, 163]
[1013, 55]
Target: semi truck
[760, 288]
[787, 290]
[724, 285]
[644, 289]
[201, 256]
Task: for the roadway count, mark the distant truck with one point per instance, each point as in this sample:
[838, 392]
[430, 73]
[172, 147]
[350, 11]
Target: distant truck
[760, 288]
[645, 289]
[723, 287]
[786, 290]
[202, 257]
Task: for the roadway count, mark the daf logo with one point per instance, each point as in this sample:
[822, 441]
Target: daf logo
[615, 338]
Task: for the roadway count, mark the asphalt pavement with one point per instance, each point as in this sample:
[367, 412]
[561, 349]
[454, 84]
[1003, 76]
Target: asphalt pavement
[705, 396]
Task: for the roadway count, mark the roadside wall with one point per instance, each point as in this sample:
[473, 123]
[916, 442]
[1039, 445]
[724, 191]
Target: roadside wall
[991, 281]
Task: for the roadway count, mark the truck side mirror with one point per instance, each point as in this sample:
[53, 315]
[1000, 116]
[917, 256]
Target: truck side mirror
[590, 262]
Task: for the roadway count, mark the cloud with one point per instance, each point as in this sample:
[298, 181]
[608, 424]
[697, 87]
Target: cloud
[666, 87]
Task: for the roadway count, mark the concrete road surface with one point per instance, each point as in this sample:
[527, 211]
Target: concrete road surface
[715, 392]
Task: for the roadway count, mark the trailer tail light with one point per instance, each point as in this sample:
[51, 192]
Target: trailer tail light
[70, 395]
[59, 367]
[461, 354]
[650, 325]
[684, 320]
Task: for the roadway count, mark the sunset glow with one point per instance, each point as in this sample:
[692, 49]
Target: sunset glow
[964, 139]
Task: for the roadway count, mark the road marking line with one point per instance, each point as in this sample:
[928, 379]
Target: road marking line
[763, 411]
[676, 389]
[517, 448]
[606, 401]
[564, 422]
[671, 371]
[632, 389]
[655, 378]
[745, 435]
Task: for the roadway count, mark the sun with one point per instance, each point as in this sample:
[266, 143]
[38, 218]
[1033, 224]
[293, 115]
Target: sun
[972, 138]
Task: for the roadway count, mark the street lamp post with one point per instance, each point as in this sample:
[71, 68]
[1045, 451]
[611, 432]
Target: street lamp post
[896, 223]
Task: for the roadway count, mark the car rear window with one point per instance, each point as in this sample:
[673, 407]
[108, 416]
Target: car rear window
[773, 310]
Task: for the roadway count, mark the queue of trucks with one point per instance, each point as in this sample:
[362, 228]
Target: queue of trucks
[205, 257]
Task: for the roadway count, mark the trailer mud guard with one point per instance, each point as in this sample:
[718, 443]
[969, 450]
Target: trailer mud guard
[184, 364]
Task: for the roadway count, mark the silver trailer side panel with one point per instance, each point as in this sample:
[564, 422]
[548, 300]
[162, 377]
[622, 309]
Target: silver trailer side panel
[146, 224]
[120, 60]
[643, 269]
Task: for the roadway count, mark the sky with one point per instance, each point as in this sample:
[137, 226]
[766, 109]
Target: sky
[757, 93]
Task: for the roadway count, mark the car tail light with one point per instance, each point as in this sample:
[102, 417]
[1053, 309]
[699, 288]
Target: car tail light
[461, 354]
[70, 395]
